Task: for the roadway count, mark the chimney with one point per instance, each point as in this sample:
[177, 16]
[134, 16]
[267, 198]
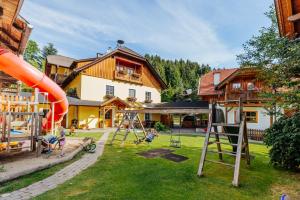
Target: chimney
[120, 43]
[98, 55]
[108, 50]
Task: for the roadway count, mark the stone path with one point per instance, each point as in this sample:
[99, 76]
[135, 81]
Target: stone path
[60, 177]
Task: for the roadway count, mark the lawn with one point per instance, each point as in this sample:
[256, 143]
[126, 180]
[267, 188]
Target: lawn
[40, 175]
[122, 174]
[95, 135]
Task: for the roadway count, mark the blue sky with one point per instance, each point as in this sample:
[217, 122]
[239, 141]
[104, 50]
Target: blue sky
[207, 31]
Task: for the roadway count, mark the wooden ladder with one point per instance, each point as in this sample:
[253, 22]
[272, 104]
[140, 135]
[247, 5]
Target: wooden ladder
[131, 117]
[242, 147]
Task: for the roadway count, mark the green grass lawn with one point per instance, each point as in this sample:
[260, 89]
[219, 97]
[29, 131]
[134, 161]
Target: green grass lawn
[122, 174]
[40, 175]
[95, 135]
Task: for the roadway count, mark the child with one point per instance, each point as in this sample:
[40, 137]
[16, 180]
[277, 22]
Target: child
[62, 139]
[151, 135]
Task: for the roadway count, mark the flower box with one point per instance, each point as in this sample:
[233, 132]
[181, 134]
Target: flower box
[131, 99]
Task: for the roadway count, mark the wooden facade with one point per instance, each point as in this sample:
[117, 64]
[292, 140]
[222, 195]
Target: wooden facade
[14, 34]
[288, 17]
[244, 84]
[134, 71]
[14, 30]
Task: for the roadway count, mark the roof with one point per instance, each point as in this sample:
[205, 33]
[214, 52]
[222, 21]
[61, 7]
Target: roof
[14, 32]
[59, 60]
[14, 29]
[72, 100]
[122, 50]
[206, 82]
[179, 107]
[246, 71]
[179, 104]
[115, 99]
[288, 17]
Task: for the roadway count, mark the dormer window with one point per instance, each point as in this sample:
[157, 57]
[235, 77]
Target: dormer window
[216, 78]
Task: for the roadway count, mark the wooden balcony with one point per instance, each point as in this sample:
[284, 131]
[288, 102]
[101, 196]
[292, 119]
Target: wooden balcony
[244, 95]
[133, 78]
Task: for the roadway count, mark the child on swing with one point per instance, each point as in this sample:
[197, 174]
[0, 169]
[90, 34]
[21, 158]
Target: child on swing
[62, 138]
[151, 135]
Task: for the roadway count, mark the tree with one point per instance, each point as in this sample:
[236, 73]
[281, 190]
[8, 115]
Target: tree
[179, 75]
[49, 49]
[278, 60]
[284, 139]
[33, 54]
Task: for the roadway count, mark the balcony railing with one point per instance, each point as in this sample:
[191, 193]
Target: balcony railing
[244, 95]
[134, 78]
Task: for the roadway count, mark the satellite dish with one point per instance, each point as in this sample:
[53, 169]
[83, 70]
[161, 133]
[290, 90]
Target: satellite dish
[120, 42]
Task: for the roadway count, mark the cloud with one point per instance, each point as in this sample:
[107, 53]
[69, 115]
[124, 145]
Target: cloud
[170, 29]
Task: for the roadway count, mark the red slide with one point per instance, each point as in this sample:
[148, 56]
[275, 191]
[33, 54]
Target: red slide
[21, 70]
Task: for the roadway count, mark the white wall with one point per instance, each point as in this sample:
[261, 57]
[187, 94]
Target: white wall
[263, 121]
[263, 117]
[93, 88]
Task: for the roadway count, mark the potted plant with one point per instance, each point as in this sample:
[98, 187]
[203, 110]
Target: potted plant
[107, 97]
[122, 71]
[131, 99]
[148, 101]
[136, 75]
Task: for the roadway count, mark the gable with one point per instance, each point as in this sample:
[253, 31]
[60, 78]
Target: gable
[105, 67]
[206, 82]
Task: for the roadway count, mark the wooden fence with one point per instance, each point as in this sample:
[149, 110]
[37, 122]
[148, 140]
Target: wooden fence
[255, 134]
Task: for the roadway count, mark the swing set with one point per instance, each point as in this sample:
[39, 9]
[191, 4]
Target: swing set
[131, 123]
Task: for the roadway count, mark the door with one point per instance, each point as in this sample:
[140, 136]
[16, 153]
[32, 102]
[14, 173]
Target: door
[108, 118]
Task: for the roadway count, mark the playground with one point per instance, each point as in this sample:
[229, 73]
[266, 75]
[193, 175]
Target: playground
[121, 173]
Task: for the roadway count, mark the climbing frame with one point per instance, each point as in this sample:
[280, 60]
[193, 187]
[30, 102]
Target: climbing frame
[241, 147]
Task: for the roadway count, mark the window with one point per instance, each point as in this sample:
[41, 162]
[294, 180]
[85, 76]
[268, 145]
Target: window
[110, 90]
[236, 86]
[132, 93]
[250, 86]
[216, 78]
[251, 116]
[147, 117]
[148, 96]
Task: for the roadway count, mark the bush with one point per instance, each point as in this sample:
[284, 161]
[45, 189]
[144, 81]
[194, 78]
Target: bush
[158, 126]
[284, 139]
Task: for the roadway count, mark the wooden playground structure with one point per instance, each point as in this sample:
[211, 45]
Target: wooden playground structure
[131, 122]
[20, 122]
[236, 136]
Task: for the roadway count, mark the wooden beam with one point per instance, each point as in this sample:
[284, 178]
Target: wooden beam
[294, 18]
[168, 111]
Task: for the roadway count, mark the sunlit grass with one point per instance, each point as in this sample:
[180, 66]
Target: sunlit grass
[122, 174]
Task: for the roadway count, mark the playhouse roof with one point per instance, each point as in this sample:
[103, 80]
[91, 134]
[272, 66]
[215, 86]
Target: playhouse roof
[60, 60]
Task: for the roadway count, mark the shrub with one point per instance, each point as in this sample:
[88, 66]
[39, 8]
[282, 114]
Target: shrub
[158, 126]
[284, 139]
